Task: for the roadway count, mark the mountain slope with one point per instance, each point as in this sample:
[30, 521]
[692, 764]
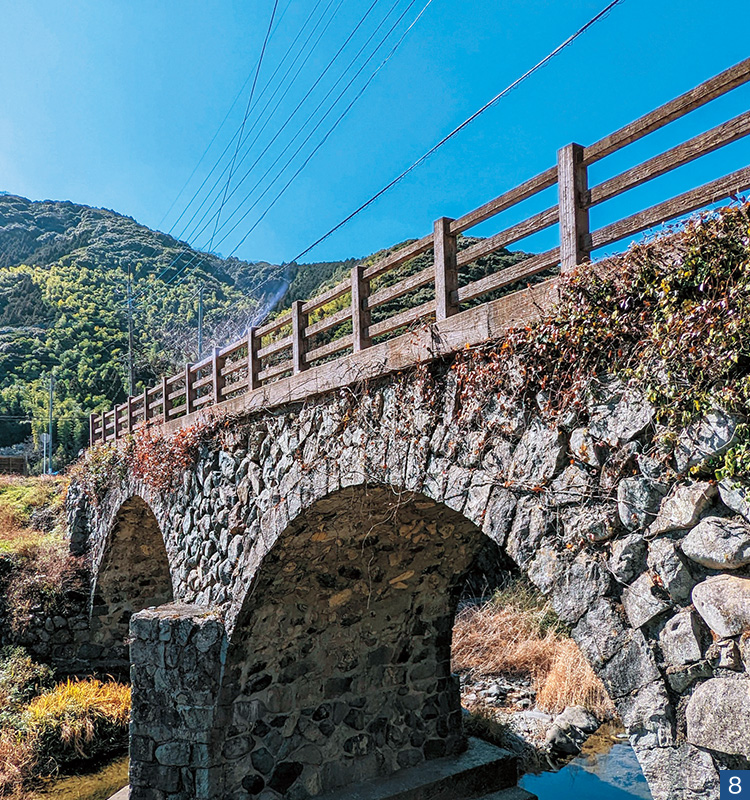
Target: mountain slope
[63, 306]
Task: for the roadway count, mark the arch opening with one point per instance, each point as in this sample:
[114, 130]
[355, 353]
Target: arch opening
[133, 574]
[339, 666]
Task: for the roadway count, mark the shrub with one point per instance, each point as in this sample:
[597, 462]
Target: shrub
[21, 678]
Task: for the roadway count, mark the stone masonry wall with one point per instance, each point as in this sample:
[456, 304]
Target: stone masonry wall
[641, 554]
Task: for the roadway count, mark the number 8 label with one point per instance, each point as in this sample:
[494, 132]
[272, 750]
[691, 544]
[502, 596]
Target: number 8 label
[731, 783]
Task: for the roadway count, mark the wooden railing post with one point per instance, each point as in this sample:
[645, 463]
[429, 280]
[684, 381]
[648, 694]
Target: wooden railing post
[104, 426]
[188, 390]
[217, 379]
[165, 399]
[253, 362]
[360, 312]
[446, 272]
[299, 323]
[117, 421]
[146, 410]
[572, 188]
[130, 415]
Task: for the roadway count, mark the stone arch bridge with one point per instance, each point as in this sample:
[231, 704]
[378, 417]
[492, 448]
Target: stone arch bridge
[297, 589]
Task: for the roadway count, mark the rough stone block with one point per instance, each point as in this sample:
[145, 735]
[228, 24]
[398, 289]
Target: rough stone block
[718, 716]
[680, 639]
[641, 603]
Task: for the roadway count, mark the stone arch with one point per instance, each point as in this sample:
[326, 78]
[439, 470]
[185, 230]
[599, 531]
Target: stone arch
[132, 574]
[338, 668]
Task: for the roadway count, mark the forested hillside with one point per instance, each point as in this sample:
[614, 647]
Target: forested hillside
[63, 308]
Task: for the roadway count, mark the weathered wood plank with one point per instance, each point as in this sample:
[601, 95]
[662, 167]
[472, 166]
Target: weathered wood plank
[401, 288]
[678, 156]
[404, 318]
[446, 270]
[510, 198]
[712, 192]
[198, 384]
[299, 345]
[339, 290]
[275, 347]
[253, 359]
[165, 398]
[572, 187]
[524, 269]
[360, 309]
[233, 366]
[401, 256]
[539, 222]
[230, 388]
[275, 324]
[201, 401]
[335, 346]
[709, 90]
[325, 324]
[275, 371]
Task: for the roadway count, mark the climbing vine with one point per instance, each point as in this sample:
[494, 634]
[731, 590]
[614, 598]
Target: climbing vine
[671, 316]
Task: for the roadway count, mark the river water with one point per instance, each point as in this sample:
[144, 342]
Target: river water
[99, 784]
[607, 769]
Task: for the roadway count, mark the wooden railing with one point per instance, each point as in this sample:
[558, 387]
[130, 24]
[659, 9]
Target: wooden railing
[310, 334]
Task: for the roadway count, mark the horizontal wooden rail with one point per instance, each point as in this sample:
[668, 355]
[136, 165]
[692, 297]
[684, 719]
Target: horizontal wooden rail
[310, 332]
[327, 323]
[336, 346]
[275, 347]
[327, 297]
[537, 184]
[416, 281]
[707, 194]
[401, 256]
[524, 269]
[684, 153]
[402, 319]
[540, 221]
[715, 87]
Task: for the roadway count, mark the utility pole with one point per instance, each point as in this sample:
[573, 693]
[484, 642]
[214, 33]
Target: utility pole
[200, 322]
[49, 436]
[131, 372]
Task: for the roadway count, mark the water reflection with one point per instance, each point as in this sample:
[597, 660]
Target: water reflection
[599, 773]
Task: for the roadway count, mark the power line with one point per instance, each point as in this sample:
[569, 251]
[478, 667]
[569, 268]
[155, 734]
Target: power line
[244, 119]
[218, 179]
[324, 139]
[463, 125]
[307, 139]
[334, 126]
[331, 62]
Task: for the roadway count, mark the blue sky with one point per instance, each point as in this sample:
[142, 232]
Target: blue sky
[112, 104]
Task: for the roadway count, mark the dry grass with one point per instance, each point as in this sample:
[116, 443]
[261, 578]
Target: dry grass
[32, 522]
[17, 761]
[517, 634]
[73, 720]
[21, 497]
[570, 681]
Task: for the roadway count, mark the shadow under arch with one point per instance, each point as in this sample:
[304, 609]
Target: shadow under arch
[133, 574]
[338, 668]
